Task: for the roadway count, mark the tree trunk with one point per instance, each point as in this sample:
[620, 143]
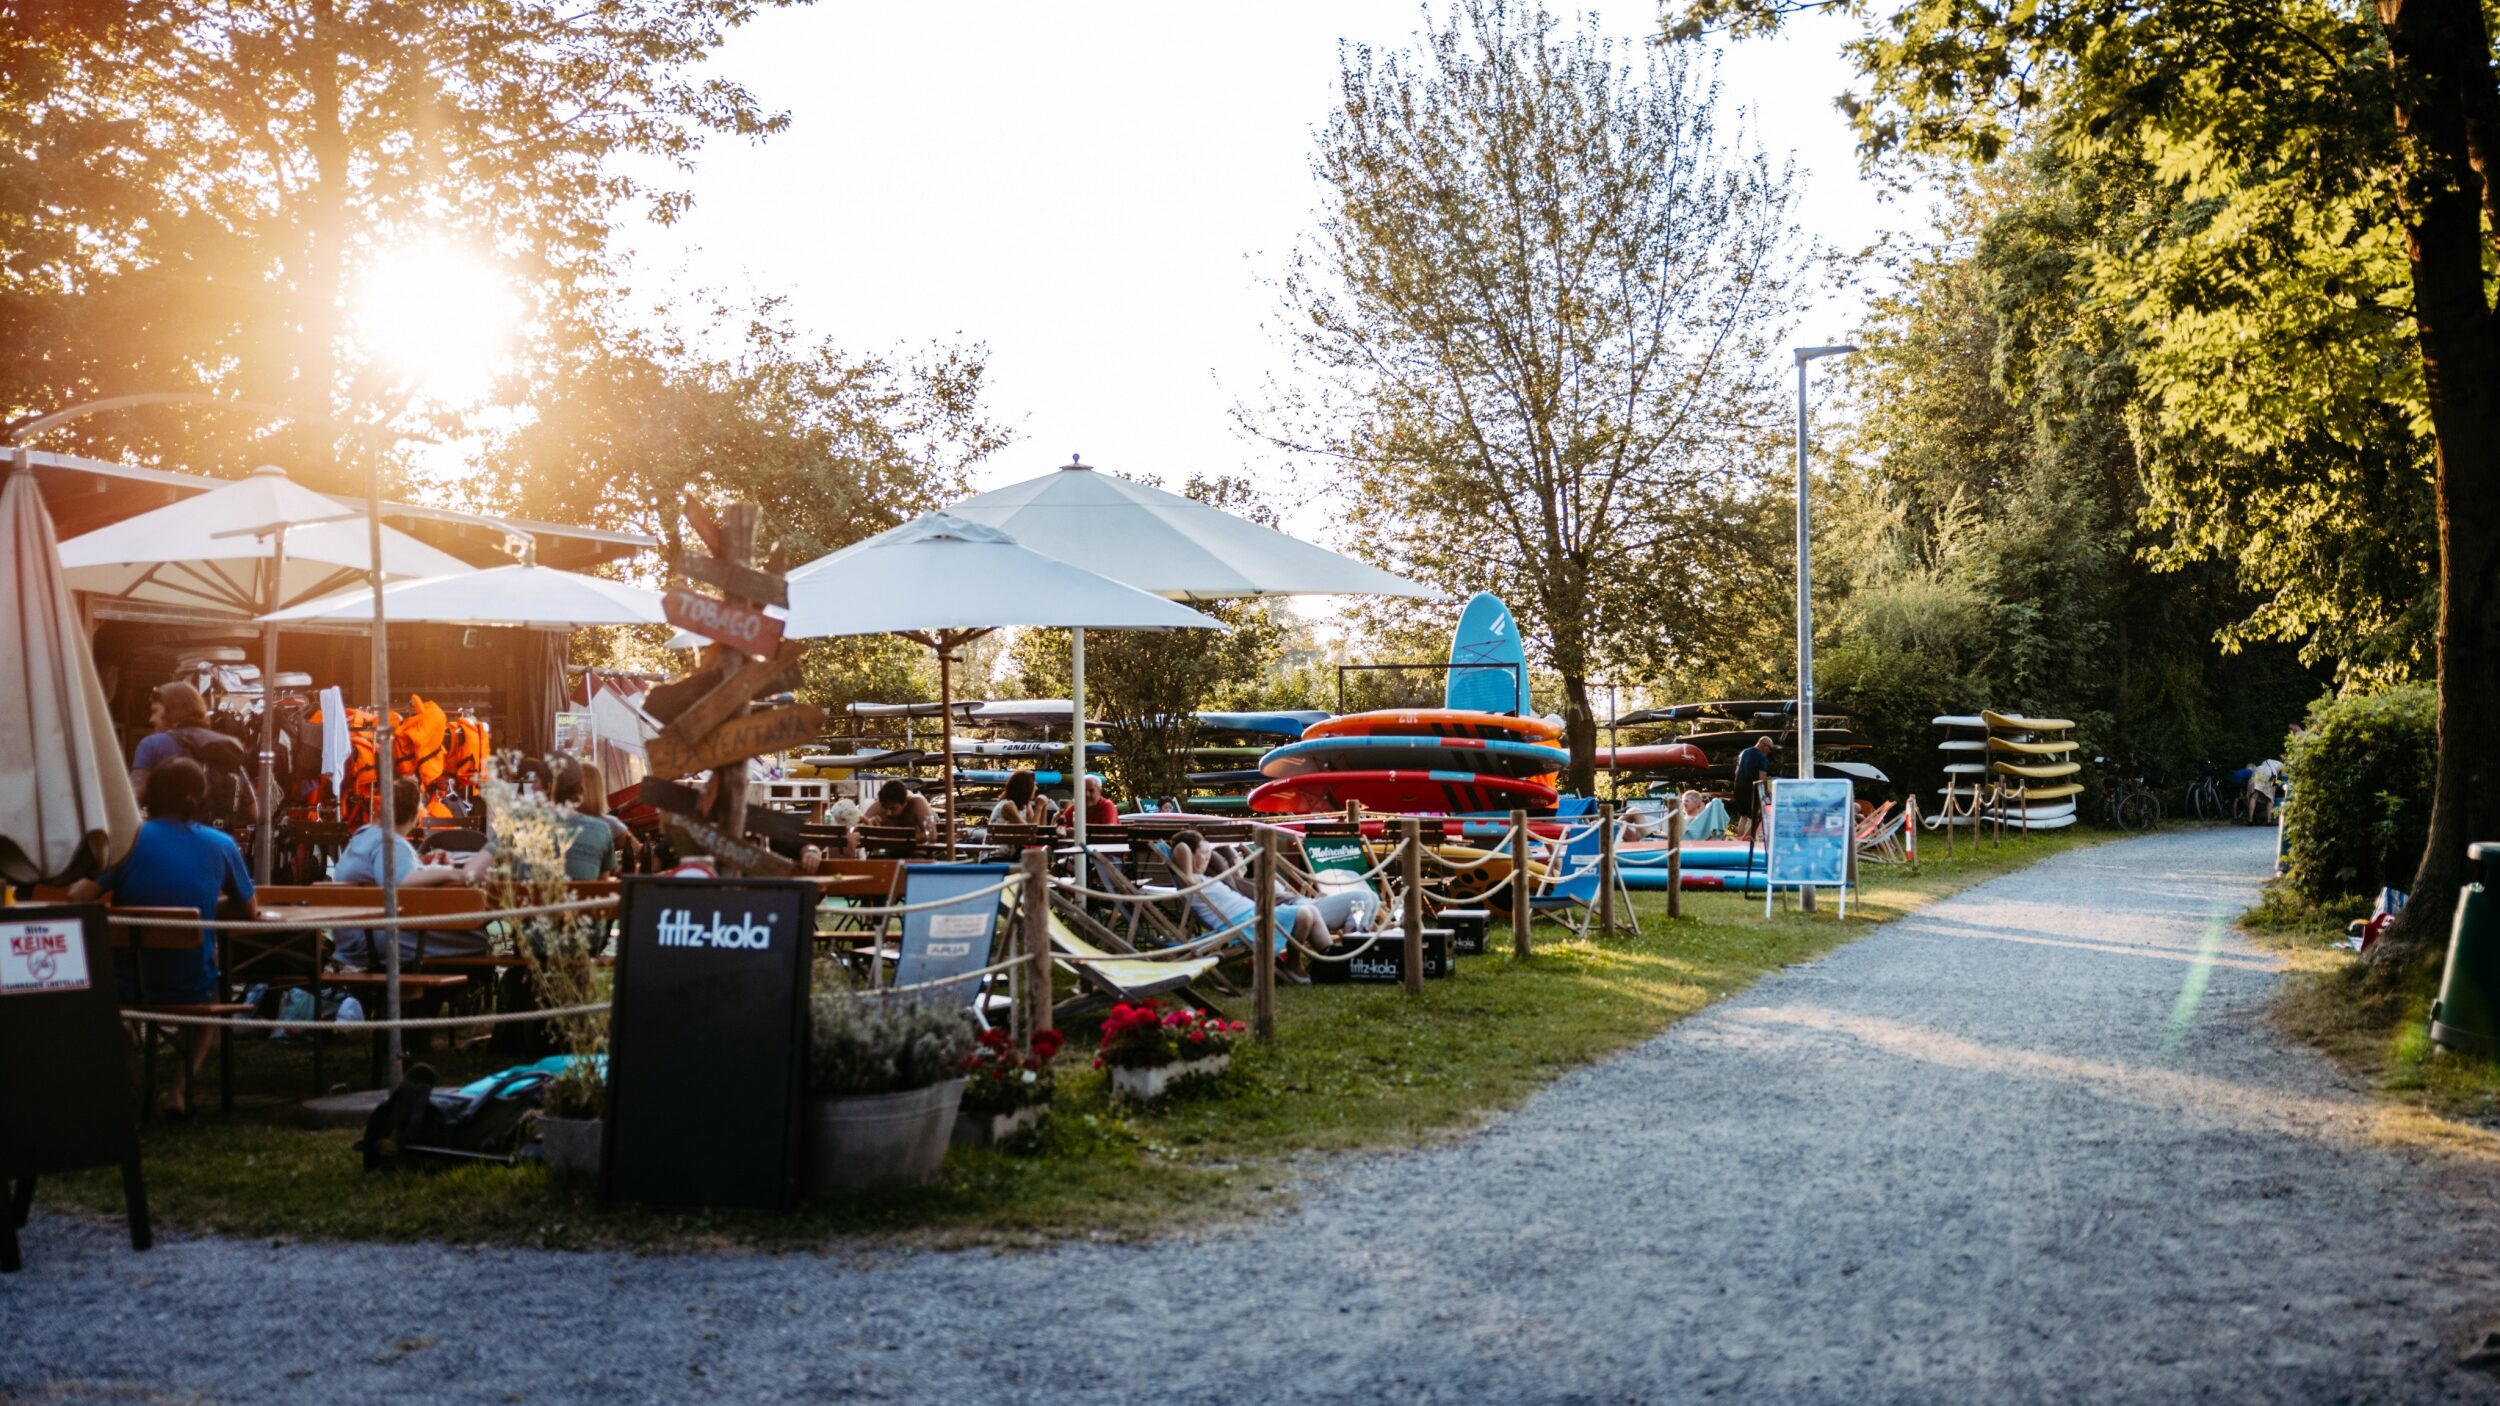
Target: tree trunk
[2445, 93]
[323, 282]
[1580, 734]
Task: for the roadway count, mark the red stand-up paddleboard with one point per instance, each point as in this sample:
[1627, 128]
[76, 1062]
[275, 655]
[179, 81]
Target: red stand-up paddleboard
[1401, 792]
[1436, 722]
[1657, 756]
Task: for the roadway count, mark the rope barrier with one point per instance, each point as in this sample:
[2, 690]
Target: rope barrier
[404, 920]
[893, 910]
[434, 1022]
[1074, 886]
[1009, 965]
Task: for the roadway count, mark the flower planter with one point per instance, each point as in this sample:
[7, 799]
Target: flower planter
[879, 1139]
[571, 1146]
[1154, 1080]
[991, 1129]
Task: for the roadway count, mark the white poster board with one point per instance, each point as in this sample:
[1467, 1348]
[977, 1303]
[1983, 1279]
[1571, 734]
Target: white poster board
[1811, 827]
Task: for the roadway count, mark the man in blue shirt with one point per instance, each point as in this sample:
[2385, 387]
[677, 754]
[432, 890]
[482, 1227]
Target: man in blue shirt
[175, 864]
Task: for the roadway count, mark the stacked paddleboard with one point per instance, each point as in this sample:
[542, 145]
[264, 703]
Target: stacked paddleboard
[1479, 752]
[2009, 768]
[1224, 765]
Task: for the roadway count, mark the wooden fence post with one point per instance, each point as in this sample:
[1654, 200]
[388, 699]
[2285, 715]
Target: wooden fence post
[1522, 913]
[1675, 860]
[1263, 954]
[1038, 1015]
[1414, 874]
[1606, 869]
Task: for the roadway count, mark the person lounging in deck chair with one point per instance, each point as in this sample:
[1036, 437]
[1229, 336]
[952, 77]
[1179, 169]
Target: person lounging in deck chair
[1224, 909]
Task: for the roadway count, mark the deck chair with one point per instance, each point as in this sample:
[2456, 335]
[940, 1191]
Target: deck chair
[1879, 835]
[1104, 977]
[954, 940]
[1568, 892]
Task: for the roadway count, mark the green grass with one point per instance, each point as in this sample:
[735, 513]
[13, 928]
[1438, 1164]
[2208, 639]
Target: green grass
[1352, 1069]
[2375, 1026]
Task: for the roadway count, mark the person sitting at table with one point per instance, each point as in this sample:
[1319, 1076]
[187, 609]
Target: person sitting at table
[361, 863]
[175, 863]
[1225, 909]
[589, 846]
[1024, 804]
[896, 805]
[1099, 811]
[595, 802]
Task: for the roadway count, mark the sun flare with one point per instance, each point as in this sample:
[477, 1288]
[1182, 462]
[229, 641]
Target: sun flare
[438, 316]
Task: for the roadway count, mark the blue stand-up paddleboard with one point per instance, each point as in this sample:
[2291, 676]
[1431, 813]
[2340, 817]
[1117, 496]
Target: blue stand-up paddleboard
[1489, 669]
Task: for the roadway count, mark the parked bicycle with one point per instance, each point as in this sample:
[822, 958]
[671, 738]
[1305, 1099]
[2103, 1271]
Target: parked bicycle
[2206, 797]
[2126, 802]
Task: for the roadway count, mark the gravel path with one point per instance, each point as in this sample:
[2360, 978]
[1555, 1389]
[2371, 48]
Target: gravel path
[2035, 1143]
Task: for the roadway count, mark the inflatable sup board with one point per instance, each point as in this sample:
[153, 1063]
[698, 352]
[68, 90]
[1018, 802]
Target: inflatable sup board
[1489, 670]
[1437, 722]
[1491, 757]
[1658, 756]
[1286, 724]
[1402, 792]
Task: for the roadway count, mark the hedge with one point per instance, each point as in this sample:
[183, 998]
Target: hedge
[2360, 806]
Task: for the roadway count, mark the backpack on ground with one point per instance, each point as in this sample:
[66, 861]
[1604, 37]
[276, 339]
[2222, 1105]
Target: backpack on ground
[483, 1121]
[230, 803]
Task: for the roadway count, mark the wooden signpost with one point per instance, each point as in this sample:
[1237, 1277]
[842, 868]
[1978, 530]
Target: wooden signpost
[754, 735]
[724, 622]
[706, 723]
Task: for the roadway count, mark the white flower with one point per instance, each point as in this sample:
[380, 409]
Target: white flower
[1032, 1078]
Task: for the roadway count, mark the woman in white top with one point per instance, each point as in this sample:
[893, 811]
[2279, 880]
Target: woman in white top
[1023, 804]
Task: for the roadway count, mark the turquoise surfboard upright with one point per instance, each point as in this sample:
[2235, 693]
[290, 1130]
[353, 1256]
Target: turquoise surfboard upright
[1489, 669]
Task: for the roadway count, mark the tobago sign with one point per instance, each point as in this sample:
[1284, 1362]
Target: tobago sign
[736, 626]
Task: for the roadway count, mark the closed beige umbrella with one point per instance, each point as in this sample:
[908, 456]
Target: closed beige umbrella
[66, 808]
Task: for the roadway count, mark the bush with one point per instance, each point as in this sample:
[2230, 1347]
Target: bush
[2359, 812]
[865, 1044]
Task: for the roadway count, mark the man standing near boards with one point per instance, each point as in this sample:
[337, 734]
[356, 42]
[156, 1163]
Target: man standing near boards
[1752, 765]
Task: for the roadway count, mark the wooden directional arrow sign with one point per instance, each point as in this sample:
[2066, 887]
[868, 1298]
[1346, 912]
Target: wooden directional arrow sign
[695, 837]
[729, 579]
[737, 626]
[736, 740]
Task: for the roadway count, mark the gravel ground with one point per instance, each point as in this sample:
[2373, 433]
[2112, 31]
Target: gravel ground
[2035, 1143]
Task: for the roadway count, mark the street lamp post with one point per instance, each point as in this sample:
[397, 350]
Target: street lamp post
[1805, 581]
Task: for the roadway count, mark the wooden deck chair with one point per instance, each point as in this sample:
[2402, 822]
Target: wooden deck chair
[1879, 835]
[954, 940]
[1105, 977]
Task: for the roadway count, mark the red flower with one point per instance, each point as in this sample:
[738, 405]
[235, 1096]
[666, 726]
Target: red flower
[1197, 1037]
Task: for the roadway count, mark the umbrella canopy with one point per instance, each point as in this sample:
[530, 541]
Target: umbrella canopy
[502, 595]
[66, 808]
[941, 572]
[943, 581]
[1162, 542]
[216, 550]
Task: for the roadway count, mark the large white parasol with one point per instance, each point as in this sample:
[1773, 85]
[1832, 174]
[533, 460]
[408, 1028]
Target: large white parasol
[66, 808]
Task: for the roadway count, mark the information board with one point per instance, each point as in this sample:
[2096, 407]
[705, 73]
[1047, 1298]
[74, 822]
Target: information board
[65, 1102]
[1811, 825]
[707, 1041]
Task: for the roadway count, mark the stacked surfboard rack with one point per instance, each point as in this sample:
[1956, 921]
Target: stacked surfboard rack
[2008, 769]
[1421, 761]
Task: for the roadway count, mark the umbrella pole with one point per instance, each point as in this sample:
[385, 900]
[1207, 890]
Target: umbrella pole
[264, 834]
[385, 765]
[946, 734]
[1076, 745]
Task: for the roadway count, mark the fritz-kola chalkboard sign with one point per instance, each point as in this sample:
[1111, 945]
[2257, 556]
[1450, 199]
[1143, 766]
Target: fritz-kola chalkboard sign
[707, 1041]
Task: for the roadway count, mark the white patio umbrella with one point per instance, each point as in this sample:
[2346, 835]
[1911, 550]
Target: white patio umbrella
[502, 595]
[1163, 543]
[246, 549]
[942, 581]
[66, 809]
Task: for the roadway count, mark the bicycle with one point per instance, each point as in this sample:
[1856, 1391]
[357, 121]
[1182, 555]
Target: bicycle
[2127, 803]
[2205, 798]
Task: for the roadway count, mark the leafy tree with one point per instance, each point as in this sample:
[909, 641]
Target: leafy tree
[2301, 144]
[1536, 310]
[194, 191]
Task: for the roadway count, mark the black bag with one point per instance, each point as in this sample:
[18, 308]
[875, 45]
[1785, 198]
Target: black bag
[445, 1125]
[230, 803]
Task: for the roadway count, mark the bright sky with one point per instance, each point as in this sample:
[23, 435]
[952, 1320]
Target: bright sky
[1096, 191]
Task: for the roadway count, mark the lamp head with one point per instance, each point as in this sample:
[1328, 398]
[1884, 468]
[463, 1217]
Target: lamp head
[1806, 354]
